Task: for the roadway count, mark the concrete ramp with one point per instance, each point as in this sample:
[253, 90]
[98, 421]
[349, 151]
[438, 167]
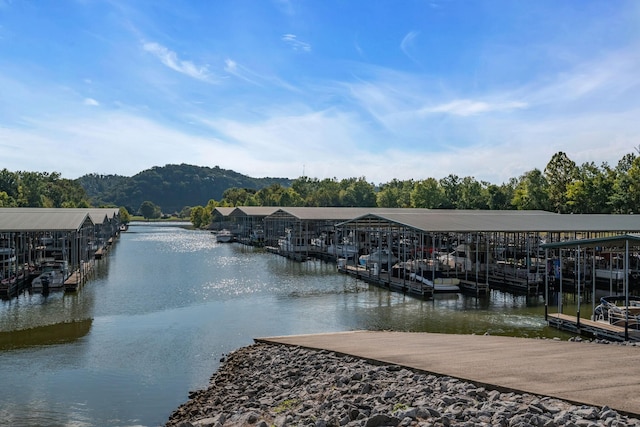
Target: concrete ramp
[589, 373]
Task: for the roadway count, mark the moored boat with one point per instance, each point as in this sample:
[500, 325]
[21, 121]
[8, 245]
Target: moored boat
[439, 285]
[343, 250]
[48, 281]
[224, 236]
[52, 277]
[618, 310]
[378, 256]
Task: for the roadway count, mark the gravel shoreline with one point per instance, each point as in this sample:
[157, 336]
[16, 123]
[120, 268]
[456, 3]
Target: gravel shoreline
[266, 385]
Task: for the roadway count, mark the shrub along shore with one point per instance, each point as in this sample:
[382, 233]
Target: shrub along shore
[266, 385]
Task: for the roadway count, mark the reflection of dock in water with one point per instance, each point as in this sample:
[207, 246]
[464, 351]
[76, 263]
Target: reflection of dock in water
[60, 333]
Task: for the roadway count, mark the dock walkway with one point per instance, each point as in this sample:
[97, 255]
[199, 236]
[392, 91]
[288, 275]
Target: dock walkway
[588, 373]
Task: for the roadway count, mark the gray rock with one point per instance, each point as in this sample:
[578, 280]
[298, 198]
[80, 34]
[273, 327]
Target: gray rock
[380, 420]
[271, 385]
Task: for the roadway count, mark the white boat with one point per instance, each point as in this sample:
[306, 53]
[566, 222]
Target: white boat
[460, 259]
[439, 285]
[614, 310]
[378, 256]
[52, 280]
[224, 236]
[616, 274]
[343, 250]
[53, 275]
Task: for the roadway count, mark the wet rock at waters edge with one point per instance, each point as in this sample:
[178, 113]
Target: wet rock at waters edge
[264, 385]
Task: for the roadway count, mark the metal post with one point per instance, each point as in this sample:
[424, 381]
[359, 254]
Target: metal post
[626, 290]
[560, 308]
[578, 286]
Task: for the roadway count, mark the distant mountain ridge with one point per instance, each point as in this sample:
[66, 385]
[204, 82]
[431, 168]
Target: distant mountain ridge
[171, 187]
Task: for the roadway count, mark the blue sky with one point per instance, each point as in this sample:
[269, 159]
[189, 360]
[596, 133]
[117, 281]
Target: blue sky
[333, 88]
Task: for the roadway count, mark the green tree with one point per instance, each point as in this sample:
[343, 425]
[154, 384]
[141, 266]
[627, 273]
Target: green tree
[30, 189]
[9, 183]
[620, 199]
[499, 197]
[395, 194]
[306, 188]
[269, 196]
[427, 194]
[530, 193]
[633, 188]
[472, 194]
[5, 200]
[149, 210]
[197, 216]
[589, 192]
[125, 217]
[327, 193]
[290, 197]
[359, 193]
[560, 173]
[451, 188]
[237, 196]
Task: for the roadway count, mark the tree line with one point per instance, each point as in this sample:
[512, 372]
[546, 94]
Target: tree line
[40, 190]
[563, 187]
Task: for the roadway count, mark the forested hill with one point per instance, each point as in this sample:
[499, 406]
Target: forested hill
[172, 187]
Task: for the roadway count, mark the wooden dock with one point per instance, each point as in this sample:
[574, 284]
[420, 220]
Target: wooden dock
[387, 281]
[600, 330]
[78, 278]
[471, 286]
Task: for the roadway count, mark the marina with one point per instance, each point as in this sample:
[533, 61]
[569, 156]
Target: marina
[299, 292]
[130, 345]
[423, 252]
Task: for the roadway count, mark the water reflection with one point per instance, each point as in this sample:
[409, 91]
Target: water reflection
[60, 333]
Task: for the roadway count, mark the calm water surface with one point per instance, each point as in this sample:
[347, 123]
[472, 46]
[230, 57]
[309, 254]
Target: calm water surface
[167, 303]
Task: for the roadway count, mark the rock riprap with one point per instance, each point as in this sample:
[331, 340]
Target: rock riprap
[266, 385]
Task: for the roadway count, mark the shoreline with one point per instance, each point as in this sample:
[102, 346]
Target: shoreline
[266, 384]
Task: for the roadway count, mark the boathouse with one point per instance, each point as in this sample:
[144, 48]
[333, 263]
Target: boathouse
[33, 237]
[220, 218]
[609, 261]
[249, 223]
[498, 248]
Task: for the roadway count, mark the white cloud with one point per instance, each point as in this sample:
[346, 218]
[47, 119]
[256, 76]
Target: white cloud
[233, 68]
[91, 102]
[406, 43]
[171, 60]
[467, 107]
[297, 45]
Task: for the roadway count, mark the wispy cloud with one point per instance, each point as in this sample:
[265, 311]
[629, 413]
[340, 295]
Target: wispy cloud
[297, 45]
[406, 43]
[609, 81]
[171, 60]
[468, 107]
[91, 102]
[233, 68]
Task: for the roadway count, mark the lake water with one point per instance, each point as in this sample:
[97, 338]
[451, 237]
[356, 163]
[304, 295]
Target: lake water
[167, 303]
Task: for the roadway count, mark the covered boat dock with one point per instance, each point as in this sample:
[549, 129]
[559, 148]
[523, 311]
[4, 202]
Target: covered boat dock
[480, 248]
[617, 317]
[68, 240]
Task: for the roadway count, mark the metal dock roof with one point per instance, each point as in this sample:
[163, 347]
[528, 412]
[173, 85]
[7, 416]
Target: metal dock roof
[499, 221]
[51, 219]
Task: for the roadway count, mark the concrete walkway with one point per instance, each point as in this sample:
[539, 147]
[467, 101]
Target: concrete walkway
[594, 374]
